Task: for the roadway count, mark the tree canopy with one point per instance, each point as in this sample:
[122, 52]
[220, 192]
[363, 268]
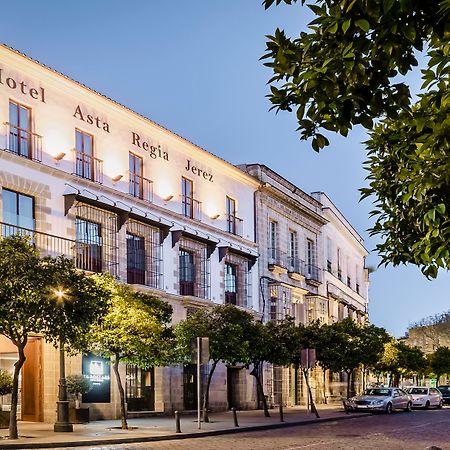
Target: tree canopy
[348, 69]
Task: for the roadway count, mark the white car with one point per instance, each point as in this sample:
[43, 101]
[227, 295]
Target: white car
[425, 397]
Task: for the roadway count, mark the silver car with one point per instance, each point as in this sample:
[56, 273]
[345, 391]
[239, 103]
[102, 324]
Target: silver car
[381, 399]
[425, 397]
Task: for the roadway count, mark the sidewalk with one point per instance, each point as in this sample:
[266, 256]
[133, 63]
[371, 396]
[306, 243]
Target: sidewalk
[104, 432]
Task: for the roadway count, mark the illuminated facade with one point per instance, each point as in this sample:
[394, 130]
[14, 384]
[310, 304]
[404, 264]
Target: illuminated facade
[91, 179]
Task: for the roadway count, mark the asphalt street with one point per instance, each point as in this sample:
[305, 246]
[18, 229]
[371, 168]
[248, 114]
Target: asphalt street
[400, 430]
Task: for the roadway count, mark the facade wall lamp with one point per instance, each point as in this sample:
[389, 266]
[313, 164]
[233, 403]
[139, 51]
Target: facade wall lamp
[59, 156]
[216, 216]
[117, 178]
[168, 198]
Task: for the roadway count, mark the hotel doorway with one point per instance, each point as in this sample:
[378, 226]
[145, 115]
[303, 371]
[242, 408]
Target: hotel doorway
[140, 388]
[32, 401]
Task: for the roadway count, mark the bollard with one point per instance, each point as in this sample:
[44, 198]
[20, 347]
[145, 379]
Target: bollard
[233, 410]
[281, 412]
[177, 422]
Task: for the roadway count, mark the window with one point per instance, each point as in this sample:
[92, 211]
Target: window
[135, 259]
[313, 271]
[84, 149]
[20, 130]
[89, 245]
[187, 272]
[136, 182]
[339, 264]
[273, 240]
[231, 272]
[329, 255]
[231, 215]
[349, 281]
[18, 209]
[187, 201]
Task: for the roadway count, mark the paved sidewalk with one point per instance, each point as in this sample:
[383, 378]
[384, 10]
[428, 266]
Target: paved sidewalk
[156, 428]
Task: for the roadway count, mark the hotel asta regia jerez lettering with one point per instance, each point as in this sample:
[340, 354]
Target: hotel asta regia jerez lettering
[93, 180]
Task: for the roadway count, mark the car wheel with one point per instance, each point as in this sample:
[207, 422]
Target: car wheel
[427, 405]
[440, 404]
[388, 409]
[408, 407]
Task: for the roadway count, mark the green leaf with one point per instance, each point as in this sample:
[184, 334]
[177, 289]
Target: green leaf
[363, 24]
[346, 25]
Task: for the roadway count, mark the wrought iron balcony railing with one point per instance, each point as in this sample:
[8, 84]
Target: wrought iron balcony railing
[313, 272]
[235, 225]
[295, 265]
[87, 166]
[191, 208]
[141, 187]
[276, 257]
[23, 142]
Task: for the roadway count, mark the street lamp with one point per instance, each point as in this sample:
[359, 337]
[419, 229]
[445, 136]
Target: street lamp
[62, 423]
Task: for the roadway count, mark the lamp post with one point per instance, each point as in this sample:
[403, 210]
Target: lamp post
[62, 423]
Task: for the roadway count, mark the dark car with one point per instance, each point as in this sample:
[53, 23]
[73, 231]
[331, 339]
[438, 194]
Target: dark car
[445, 391]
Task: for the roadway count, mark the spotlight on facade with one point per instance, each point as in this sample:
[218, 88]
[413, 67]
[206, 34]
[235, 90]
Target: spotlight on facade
[59, 156]
[117, 178]
[168, 198]
[216, 216]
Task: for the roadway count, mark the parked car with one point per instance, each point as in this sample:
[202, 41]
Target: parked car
[445, 391]
[425, 397]
[381, 399]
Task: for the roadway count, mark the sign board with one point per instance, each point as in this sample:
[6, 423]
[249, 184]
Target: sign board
[204, 351]
[98, 371]
[307, 358]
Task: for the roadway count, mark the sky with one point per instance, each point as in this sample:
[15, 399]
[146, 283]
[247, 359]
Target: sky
[193, 67]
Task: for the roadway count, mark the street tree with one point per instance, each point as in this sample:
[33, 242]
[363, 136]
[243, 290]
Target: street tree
[29, 303]
[225, 326]
[400, 360]
[348, 69]
[440, 362]
[135, 330]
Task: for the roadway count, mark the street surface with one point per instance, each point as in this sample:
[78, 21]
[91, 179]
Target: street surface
[405, 431]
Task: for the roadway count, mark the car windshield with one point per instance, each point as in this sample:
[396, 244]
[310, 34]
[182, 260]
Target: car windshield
[418, 391]
[384, 392]
[444, 389]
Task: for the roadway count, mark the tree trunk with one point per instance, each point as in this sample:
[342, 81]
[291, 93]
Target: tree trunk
[256, 374]
[324, 386]
[123, 411]
[349, 373]
[13, 434]
[311, 399]
[206, 396]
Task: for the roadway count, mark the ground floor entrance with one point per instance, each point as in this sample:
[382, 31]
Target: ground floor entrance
[140, 388]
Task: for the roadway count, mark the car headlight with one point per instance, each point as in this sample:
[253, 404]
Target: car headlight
[377, 402]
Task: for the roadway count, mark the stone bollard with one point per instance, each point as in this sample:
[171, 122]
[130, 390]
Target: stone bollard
[177, 422]
[280, 407]
[233, 410]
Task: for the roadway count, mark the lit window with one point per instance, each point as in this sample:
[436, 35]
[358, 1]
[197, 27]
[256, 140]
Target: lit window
[84, 149]
[20, 130]
[18, 209]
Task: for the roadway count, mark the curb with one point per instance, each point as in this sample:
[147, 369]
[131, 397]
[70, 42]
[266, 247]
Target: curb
[171, 437]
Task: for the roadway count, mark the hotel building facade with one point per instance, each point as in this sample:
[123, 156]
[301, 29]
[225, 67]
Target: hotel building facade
[91, 179]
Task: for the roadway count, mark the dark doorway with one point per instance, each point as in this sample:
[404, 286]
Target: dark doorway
[140, 388]
[190, 386]
[233, 387]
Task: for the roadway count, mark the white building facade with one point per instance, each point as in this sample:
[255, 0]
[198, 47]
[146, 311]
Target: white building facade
[91, 179]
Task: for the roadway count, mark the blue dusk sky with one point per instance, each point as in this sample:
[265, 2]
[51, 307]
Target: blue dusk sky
[193, 67]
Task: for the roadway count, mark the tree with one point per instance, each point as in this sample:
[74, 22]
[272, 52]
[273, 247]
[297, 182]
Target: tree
[135, 330]
[351, 345]
[399, 359]
[440, 362]
[225, 326]
[347, 70]
[29, 304]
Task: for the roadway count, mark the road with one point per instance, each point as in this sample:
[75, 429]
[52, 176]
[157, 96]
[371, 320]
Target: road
[405, 431]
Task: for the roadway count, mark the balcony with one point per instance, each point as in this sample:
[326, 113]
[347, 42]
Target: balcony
[296, 268]
[141, 187]
[23, 142]
[277, 261]
[87, 257]
[191, 208]
[313, 274]
[235, 225]
[88, 167]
